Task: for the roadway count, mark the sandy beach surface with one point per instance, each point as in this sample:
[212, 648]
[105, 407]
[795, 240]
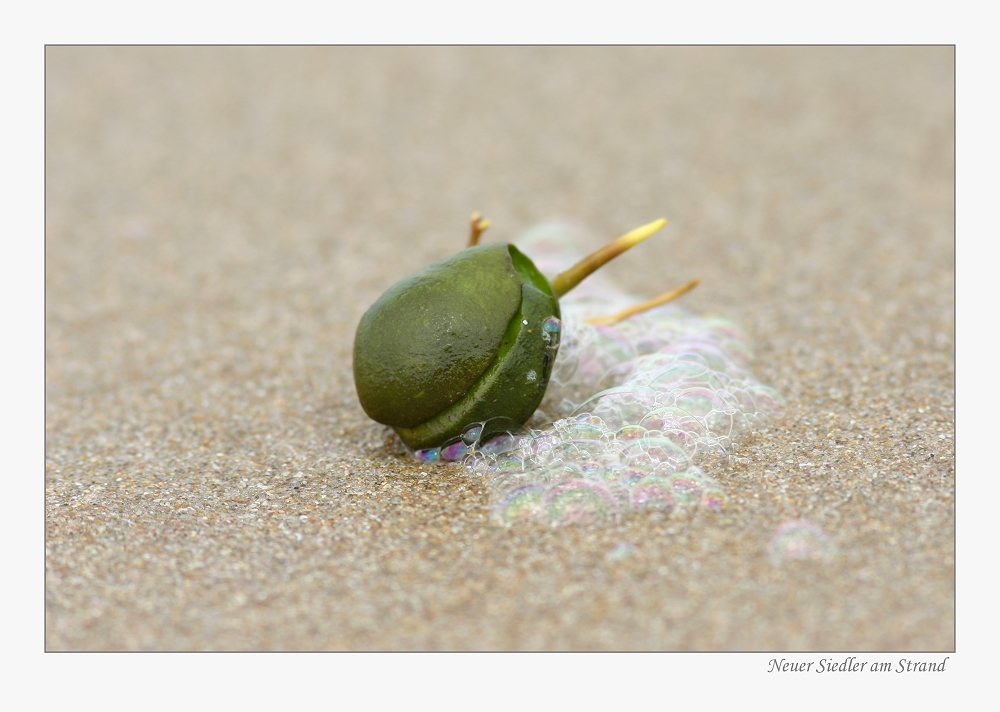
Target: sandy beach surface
[218, 220]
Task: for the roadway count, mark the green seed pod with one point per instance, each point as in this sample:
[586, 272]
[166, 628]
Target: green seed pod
[470, 339]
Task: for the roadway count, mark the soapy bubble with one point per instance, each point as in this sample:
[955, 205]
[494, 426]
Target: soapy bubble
[427, 455]
[657, 451]
[714, 500]
[654, 493]
[578, 501]
[499, 445]
[798, 540]
[630, 432]
[698, 402]
[522, 504]
[634, 472]
[688, 487]
[767, 401]
[472, 433]
[454, 452]
[508, 462]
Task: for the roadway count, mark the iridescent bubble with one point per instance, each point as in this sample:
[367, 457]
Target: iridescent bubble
[561, 472]
[454, 452]
[522, 504]
[651, 366]
[509, 462]
[655, 451]
[685, 374]
[552, 328]
[618, 373]
[508, 481]
[626, 395]
[428, 455]
[700, 350]
[682, 353]
[613, 472]
[630, 432]
[744, 402]
[477, 464]
[719, 422]
[563, 451]
[592, 467]
[649, 344]
[633, 474]
[686, 441]
[668, 468]
[731, 337]
[673, 418]
[725, 328]
[613, 414]
[591, 448]
[737, 351]
[612, 342]
[500, 444]
[767, 400]
[471, 436]
[797, 540]
[714, 500]
[697, 401]
[726, 401]
[712, 451]
[578, 501]
[606, 349]
[741, 426]
[626, 405]
[687, 487]
[654, 493]
[584, 431]
[543, 444]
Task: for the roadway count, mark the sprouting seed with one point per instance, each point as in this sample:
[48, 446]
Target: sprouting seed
[471, 340]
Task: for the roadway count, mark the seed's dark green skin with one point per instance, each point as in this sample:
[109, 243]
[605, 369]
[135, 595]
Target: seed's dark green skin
[429, 338]
[449, 347]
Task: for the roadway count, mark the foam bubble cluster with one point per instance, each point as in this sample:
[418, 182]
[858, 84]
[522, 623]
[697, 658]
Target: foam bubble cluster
[633, 412]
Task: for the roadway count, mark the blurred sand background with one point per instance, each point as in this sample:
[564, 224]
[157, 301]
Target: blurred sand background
[217, 221]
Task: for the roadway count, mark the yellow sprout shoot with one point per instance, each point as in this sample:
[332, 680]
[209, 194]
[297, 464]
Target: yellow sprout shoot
[565, 281]
[477, 225]
[645, 306]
